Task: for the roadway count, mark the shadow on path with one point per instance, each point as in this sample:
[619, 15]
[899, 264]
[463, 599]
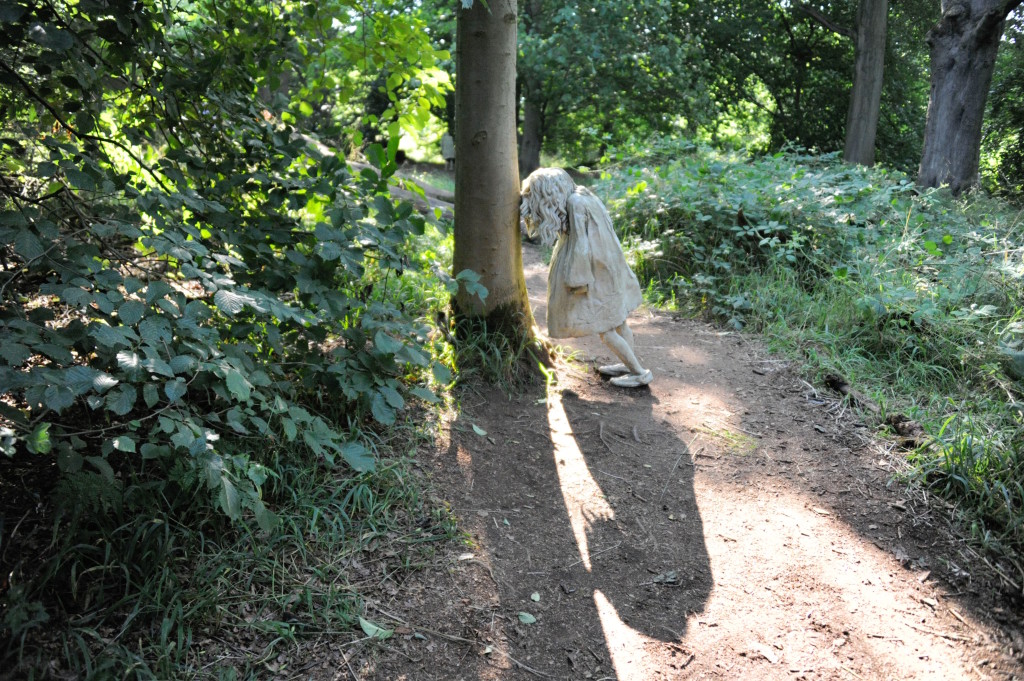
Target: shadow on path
[595, 516]
[610, 569]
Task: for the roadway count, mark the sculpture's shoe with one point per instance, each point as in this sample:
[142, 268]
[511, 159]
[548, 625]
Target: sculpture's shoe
[613, 369]
[633, 380]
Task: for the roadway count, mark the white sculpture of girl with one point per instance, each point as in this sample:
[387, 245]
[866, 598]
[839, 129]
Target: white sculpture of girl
[591, 288]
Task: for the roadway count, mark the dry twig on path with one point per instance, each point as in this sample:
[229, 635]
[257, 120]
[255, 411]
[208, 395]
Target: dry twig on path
[600, 434]
[460, 639]
[942, 634]
[693, 457]
[595, 555]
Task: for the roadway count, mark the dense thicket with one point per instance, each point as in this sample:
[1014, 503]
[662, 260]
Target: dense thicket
[178, 250]
[1003, 146]
[595, 73]
[761, 75]
[194, 284]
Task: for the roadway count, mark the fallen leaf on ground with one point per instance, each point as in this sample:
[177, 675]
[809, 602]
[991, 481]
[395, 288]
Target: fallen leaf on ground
[527, 618]
[374, 631]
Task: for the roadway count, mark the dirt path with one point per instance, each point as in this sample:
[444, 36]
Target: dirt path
[729, 522]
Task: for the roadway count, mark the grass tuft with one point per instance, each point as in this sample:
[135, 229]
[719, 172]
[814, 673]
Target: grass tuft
[152, 597]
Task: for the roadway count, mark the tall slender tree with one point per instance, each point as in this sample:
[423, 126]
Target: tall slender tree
[593, 73]
[868, 75]
[487, 238]
[964, 44]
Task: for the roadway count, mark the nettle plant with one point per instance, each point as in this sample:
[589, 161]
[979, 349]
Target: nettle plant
[188, 282]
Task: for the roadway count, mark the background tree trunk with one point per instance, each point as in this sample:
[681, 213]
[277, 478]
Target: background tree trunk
[487, 238]
[963, 55]
[869, 70]
[533, 136]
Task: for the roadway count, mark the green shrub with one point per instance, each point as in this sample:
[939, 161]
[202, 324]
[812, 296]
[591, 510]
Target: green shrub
[197, 300]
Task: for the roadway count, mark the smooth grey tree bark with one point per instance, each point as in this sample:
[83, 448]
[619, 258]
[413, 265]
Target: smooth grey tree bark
[868, 77]
[963, 46]
[487, 238]
[869, 38]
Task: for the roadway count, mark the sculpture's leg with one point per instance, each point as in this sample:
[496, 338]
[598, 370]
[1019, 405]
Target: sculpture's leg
[637, 375]
[627, 334]
[619, 369]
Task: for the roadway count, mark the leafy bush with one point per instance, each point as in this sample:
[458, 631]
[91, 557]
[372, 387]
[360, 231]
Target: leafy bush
[1003, 145]
[195, 289]
[171, 283]
[906, 292]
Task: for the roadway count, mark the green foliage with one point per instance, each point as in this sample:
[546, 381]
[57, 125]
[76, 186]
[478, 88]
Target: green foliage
[197, 291]
[794, 71]
[364, 68]
[600, 71]
[175, 286]
[697, 218]
[911, 296]
[773, 66]
[1003, 143]
[150, 590]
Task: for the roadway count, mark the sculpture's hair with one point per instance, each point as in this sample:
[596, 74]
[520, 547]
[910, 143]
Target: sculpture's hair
[546, 195]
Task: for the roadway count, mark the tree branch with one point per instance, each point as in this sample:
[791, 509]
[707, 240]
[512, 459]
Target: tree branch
[828, 23]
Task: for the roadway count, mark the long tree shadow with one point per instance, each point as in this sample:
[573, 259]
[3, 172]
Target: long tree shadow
[586, 514]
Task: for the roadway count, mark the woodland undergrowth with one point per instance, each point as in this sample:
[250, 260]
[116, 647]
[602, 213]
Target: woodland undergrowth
[912, 296]
[213, 332]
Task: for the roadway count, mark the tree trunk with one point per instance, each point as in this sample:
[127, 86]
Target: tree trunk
[533, 118]
[869, 70]
[963, 55]
[533, 136]
[487, 237]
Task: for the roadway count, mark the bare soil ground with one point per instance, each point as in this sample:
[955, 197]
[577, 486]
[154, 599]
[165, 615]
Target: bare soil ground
[731, 521]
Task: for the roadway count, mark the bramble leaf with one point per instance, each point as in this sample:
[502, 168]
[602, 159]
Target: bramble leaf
[425, 395]
[374, 631]
[358, 457]
[39, 441]
[131, 312]
[230, 302]
[381, 410]
[393, 397]
[229, 500]
[58, 398]
[386, 343]
[175, 389]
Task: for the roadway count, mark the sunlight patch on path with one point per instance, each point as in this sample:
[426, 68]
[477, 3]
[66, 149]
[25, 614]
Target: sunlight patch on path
[585, 504]
[584, 501]
[625, 645]
[813, 592]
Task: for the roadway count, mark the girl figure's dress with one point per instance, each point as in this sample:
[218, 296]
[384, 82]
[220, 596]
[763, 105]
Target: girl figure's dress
[591, 288]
